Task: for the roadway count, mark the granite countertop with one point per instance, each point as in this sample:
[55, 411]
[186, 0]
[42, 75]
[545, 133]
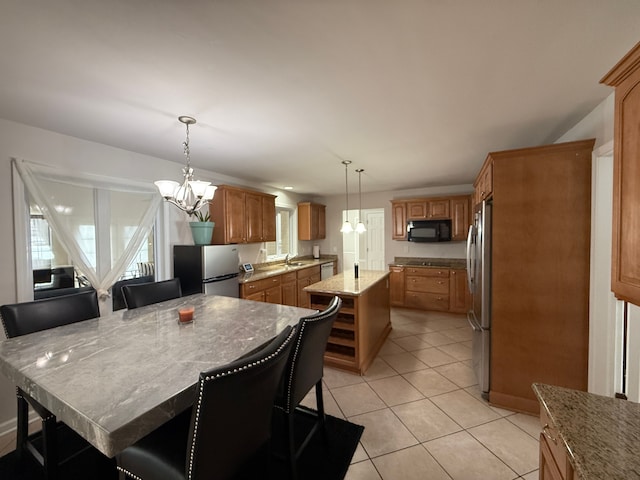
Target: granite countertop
[347, 284]
[460, 263]
[271, 270]
[601, 434]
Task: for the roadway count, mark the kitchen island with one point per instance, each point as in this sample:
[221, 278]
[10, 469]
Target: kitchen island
[587, 436]
[364, 320]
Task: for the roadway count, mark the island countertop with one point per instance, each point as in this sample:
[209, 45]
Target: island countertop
[345, 283]
[601, 434]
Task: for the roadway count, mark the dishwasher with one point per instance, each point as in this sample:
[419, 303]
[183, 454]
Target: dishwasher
[326, 270]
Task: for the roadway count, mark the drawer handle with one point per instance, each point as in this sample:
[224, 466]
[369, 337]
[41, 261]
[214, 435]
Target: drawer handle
[546, 431]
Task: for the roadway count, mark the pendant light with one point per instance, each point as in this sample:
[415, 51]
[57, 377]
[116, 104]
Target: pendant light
[346, 226]
[192, 194]
[360, 228]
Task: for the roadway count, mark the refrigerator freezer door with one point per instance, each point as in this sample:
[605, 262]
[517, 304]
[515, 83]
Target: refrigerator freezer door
[219, 260]
[225, 288]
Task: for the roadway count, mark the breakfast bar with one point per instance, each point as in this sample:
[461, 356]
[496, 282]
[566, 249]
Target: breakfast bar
[364, 321]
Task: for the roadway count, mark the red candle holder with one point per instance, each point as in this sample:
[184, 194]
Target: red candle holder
[186, 314]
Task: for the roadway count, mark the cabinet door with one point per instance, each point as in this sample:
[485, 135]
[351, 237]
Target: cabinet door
[235, 217]
[396, 286]
[417, 210]
[290, 294]
[268, 219]
[273, 295]
[460, 218]
[625, 265]
[459, 295]
[314, 221]
[438, 209]
[399, 218]
[322, 220]
[253, 211]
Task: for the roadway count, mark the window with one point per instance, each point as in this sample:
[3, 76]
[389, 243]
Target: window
[284, 243]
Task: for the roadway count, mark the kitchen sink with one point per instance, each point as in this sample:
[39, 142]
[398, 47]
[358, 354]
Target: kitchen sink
[296, 264]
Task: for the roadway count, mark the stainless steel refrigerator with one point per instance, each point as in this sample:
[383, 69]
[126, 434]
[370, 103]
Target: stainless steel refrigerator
[479, 281]
[210, 269]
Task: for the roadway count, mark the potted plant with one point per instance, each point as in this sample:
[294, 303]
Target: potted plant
[202, 228]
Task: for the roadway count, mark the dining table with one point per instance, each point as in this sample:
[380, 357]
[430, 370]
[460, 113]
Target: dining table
[116, 378]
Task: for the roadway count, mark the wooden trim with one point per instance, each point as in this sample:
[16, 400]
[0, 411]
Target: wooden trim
[625, 67]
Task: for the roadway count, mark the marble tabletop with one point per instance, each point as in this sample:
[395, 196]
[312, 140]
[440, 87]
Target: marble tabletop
[116, 378]
[601, 434]
[345, 283]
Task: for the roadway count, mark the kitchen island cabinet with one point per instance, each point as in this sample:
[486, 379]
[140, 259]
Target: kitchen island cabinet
[587, 436]
[364, 320]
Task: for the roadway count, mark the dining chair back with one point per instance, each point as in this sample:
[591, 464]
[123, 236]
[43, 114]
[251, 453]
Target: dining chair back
[304, 370]
[227, 428]
[136, 296]
[30, 317]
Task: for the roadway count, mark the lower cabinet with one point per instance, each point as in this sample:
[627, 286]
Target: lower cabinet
[306, 277]
[289, 289]
[554, 462]
[266, 290]
[459, 295]
[396, 286]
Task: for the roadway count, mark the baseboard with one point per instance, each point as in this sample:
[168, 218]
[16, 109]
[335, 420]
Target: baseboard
[516, 404]
[9, 427]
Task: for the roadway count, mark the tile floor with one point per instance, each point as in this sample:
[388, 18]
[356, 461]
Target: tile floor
[423, 414]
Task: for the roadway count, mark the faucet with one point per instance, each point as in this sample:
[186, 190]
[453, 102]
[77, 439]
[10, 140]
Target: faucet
[287, 259]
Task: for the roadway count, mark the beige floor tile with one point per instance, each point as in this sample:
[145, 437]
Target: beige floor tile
[412, 343]
[413, 463]
[404, 362]
[357, 399]
[335, 378]
[378, 369]
[464, 458]
[362, 471]
[464, 409]
[462, 334]
[457, 351]
[528, 423]
[400, 331]
[417, 328]
[359, 455]
[439, 324]
[511, 444]
[425, 421]
[535, 475]
[7, 443]
[434, 356]
[429, 382]
[389, 347]
[383, 432]
[330, 405]
[395, 390]
[474, 390]
[436, 338]
[458, 373]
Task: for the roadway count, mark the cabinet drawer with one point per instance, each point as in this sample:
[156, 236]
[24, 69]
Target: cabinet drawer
[308, 272]
[427, 301]
[289, 277]
[428, 284]
[428, 272]
[261, 284]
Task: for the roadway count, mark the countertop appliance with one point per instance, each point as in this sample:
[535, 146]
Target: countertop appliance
[326, 270]
[210, 269]
[479, 281]
[429, 231]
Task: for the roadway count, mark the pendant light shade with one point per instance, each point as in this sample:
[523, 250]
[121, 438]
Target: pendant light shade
[360, 228]
[346, 226]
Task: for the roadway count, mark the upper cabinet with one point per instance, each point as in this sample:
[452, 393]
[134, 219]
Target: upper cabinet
[625, 265]
[242, 216]
[456, 208]
[311, 221]
[484, 182]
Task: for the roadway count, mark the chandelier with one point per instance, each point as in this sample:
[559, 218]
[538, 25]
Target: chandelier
[192, 194]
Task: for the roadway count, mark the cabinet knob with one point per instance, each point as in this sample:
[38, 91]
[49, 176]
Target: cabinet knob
[440, 282]
[546, 431]
[251, 286]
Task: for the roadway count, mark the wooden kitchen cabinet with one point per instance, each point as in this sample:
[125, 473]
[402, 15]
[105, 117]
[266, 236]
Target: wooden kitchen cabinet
[311, 221]
[484, 182]
[399, 220]
[625, 264]
[460, 217]
[554, 462]
[289, 289]
[540, 250]
[427, 288]
[459, 295]
[242, 216]
[427, 209]
[306, 277]
[265, 290]
[396, 286]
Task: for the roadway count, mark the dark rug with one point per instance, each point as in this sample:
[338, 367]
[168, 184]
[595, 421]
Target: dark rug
[320, 460]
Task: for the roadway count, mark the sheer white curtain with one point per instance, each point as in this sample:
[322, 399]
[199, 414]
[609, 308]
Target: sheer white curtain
[101, 221]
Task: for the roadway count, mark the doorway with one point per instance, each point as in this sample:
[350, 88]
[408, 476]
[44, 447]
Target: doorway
[366, 249]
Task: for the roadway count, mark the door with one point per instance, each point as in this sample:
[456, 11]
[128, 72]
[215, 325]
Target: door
[374, 250]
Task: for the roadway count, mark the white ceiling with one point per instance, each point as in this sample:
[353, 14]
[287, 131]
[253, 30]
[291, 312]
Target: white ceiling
[416, 92]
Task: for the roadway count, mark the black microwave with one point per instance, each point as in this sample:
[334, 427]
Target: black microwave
[429, 231]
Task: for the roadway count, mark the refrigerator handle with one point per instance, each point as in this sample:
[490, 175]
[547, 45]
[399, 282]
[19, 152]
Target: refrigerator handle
[469, 262]
[474, 323]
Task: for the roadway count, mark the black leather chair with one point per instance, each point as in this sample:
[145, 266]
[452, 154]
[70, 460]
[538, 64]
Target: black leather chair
[136, 296]
[29, 317]
[305, 370]
[117, 298]
[227, 429]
